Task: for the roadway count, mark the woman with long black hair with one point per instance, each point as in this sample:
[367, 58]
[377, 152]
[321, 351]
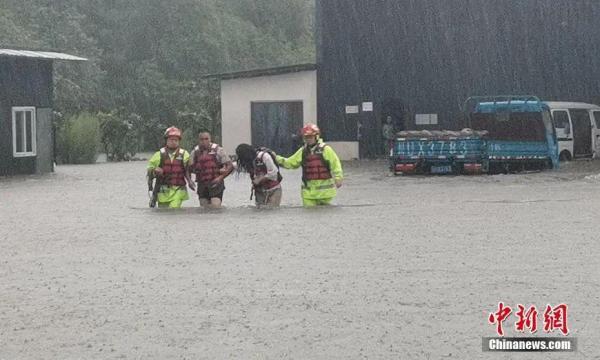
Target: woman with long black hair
[260, 164]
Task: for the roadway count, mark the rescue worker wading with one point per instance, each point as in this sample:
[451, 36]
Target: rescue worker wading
[211, 165]
[264, 172]
[321, 168]
[171, 165]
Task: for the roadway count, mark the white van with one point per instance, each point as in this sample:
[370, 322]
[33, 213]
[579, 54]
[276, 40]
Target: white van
[577, 129]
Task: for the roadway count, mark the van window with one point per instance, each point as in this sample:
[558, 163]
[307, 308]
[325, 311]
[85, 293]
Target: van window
[561, 119]
[597, 119]
[580, 116]
[547, 119]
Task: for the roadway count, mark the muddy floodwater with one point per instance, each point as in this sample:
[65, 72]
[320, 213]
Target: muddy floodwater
[401, 268]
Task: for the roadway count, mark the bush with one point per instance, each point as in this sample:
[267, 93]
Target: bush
[118, 136]
[78, 139]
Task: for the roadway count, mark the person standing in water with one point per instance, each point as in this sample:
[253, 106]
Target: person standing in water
[264, 173]
[322, 171]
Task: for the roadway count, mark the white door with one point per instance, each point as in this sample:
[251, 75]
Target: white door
[596, 132]
[564, 132]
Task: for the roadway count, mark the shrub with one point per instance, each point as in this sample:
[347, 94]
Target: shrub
[78, 139]
[118, 137]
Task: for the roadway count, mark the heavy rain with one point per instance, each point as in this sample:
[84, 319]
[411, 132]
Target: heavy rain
[438, 196]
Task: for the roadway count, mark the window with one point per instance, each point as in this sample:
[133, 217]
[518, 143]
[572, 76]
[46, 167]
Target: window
[23, 130]
[426, 119]
[581, 117]
[561, 119]
[547, 119]
[597, 119]
[275, 125]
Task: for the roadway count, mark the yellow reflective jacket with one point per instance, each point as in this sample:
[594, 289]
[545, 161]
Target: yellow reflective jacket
[170, 193]
[316, 189]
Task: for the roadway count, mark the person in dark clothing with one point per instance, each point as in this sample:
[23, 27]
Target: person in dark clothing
[264, 172]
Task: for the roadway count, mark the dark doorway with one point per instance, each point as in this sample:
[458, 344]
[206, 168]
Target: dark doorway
[367, 134]
[394, 108]
[582, 132]
[276, 125]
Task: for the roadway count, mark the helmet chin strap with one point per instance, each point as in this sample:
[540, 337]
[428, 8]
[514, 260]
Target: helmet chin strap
[316, 142]
[173, 149]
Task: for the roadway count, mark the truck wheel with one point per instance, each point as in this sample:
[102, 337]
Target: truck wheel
[565, 156]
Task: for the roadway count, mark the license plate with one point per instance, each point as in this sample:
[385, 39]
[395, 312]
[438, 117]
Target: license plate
[444, 169]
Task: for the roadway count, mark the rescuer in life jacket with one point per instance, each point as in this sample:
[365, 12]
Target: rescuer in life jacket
[321, 168]
[211, 165]
[264, 172]
[170, 165]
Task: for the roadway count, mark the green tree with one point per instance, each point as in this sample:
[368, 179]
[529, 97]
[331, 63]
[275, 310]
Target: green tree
[147, 56]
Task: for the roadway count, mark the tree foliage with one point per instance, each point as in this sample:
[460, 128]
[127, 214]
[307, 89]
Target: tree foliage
[147, 57]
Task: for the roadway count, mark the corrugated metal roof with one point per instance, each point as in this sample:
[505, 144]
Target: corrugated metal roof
[262, 72]
[50, 55]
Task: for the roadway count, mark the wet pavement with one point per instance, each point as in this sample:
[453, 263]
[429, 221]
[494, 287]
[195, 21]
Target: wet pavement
[402, 268]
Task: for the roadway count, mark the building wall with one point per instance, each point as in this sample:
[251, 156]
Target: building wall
[24, 82]
[428, 56]
[44, 160]
[237, 95]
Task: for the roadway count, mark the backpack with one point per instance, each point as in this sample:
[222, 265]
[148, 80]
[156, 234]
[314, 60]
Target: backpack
[272, 154]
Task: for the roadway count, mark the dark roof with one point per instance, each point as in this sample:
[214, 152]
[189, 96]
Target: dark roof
[49, 55]
[262, 72]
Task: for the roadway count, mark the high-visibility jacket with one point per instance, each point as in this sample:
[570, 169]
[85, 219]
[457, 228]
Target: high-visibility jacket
[317, 188]
[169, 193]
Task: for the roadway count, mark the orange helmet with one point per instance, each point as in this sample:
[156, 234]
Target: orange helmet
[311, 130]
[173, 131]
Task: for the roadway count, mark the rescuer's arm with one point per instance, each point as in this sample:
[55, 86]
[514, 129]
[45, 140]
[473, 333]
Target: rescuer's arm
[153, 165]
[335, 165]
[226, 166]
[187, 165]
[293, 162]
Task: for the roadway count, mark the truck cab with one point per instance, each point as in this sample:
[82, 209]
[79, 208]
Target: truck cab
[521, 132]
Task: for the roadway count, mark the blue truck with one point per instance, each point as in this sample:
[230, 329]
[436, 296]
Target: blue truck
[505, 134]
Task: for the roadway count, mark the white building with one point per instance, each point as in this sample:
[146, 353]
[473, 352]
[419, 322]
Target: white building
[268, 107]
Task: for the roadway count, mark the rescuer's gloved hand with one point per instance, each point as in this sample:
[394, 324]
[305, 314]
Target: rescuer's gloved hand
[338, 183]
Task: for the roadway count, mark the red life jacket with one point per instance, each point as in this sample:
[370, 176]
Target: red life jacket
[260, 169]
[314, 165]
[206, 164]
[173, 170]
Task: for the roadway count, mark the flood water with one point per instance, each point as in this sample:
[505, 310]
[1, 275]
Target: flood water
[402, 267]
